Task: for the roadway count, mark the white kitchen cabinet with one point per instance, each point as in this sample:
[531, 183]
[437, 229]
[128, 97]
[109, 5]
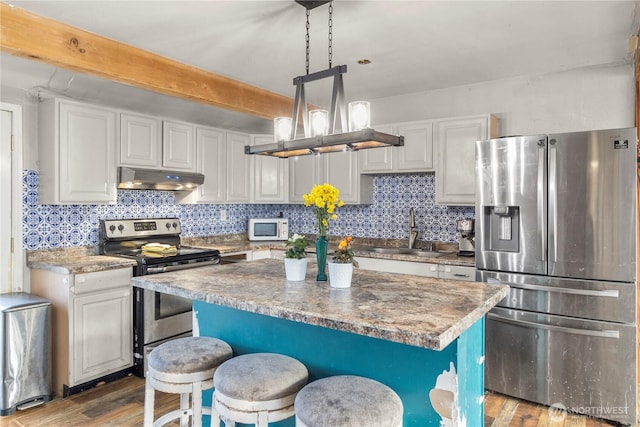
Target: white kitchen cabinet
[378, 160]
[211, 149]
[399, 267]
[270, 175]
[238, 186]
[425, 269]
[341, 170]
[455, 172]
[304, 173]
[76, 153]
[458, 272]
[416, 155]
[178, 146]
[92, 323]
[338, 169]
[140, 141]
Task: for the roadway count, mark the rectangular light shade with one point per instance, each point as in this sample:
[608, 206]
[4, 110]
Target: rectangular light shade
[348, 141]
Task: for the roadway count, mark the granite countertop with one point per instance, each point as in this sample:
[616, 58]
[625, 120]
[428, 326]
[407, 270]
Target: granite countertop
[235, 246]
[83, 259]
[82, 264]
[414, 310]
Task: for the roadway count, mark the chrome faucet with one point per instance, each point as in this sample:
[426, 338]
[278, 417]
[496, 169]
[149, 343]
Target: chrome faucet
[413, 233]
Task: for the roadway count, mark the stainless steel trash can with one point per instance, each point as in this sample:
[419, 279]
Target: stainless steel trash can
[25, 368]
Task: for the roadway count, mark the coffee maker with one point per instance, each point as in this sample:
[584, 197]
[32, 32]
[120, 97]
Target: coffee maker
[466, 243]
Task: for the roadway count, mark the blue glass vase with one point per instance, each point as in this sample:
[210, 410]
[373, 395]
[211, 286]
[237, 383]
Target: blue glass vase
[321, 257]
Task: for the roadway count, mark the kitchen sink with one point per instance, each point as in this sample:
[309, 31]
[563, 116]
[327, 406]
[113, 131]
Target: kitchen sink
[402, 251]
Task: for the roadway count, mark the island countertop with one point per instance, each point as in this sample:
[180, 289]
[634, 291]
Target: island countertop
[420, 311]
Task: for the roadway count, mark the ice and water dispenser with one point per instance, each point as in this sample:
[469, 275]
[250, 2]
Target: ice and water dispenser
[501, 231]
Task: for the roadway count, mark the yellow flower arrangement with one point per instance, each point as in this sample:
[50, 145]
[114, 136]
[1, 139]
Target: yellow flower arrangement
[324, 199]
[344, 254]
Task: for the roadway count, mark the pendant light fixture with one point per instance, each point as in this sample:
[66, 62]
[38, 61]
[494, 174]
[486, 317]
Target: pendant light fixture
[319, 125]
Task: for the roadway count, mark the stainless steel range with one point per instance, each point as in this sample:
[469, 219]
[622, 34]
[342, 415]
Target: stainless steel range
[155, 246]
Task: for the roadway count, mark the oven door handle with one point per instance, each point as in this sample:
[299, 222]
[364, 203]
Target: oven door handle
[153, 270]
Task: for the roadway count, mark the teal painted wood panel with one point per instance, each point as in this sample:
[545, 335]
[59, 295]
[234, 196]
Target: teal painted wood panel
[410, 371]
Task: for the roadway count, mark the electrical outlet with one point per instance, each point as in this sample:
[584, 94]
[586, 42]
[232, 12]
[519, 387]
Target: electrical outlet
[223, 214]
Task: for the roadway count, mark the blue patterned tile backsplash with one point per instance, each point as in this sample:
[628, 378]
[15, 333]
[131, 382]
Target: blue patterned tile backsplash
[58, 226]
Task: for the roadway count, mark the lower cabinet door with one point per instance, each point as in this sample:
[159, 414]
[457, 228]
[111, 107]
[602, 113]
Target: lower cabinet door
[101, 334]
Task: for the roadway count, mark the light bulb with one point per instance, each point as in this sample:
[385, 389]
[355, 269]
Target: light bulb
[359, 115]
[319, 120]
[281, 129]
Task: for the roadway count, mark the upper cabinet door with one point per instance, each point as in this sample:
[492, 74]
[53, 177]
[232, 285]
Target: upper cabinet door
[179, 146]
[341, 171]
[304, 173]
[238, 168]
[76, 153]
[269, 175]
[378, 160]
[140, 143]
[417, 153]
[456, 141]
[212, 163]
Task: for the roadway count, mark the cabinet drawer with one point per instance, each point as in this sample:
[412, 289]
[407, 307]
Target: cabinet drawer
[100, 280]
[401, 267]
[456, 272]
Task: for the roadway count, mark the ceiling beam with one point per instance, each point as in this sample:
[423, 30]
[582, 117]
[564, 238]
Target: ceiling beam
[30, 36]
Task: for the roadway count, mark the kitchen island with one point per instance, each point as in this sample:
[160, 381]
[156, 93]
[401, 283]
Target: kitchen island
[408, 332]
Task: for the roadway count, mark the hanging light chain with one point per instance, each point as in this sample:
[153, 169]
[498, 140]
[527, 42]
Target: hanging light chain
[306, 62]
[330, 32]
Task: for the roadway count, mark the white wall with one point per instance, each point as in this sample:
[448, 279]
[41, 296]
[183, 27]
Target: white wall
[582, 99]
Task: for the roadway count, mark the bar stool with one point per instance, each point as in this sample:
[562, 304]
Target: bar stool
[347, 400]
[257, 388]
[184, 365]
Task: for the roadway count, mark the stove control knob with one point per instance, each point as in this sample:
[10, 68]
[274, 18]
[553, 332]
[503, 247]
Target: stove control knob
[174, 225]
[168, 225]
[120, 227]
[112, 228]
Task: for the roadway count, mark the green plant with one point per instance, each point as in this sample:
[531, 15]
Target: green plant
[296, 245]
[344, 254]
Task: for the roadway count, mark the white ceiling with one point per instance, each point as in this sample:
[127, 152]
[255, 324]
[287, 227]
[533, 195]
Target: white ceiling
[413, 45]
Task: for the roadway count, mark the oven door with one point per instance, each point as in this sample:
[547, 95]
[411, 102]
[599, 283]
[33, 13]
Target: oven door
[165, 316]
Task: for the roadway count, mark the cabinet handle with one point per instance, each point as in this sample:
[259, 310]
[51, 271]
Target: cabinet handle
[461, 275]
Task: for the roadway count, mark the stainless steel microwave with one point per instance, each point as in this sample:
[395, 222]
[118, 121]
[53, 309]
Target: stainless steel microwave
[268, 229]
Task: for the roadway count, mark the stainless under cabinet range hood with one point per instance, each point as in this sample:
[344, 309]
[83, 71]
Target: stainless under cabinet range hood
[148, 179]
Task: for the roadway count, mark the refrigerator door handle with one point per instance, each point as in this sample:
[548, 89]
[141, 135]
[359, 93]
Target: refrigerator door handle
[542, 232]
[553, 201]
[611, 293]
[554, 328]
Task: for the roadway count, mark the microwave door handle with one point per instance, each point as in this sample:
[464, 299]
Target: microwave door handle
[278, 229]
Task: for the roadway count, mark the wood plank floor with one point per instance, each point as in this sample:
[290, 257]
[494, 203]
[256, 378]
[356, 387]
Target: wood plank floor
[121, 404]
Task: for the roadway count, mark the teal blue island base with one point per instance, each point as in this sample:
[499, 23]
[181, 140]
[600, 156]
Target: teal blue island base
[410, 371]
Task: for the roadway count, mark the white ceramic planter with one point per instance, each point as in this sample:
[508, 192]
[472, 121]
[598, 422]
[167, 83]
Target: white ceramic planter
[340, 275]
[295, 269]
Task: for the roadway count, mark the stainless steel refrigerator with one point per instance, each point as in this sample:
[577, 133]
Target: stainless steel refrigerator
[556, 220]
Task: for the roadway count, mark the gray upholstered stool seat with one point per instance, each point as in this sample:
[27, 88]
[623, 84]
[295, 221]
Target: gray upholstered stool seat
[257, 388]
[348, 401]
[184, 366]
